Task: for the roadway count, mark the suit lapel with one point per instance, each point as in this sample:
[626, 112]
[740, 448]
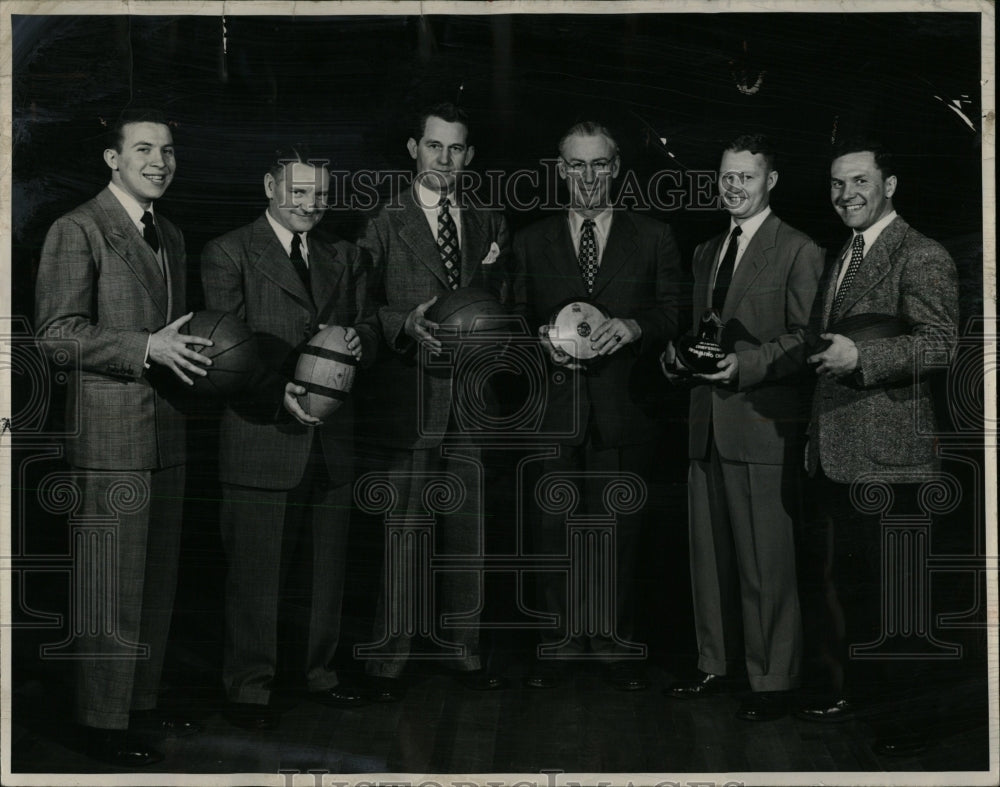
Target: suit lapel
[325, 271]
[561, 263]
[875, 265]
[757, 256]
[473, 243]
[415, 232]
[268, 257]
[831, 291]
[621, 247]
[124, 238]
[706, 275]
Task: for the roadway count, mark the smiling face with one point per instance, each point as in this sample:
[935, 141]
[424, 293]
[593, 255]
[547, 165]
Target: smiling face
[745, 183]
[297, 199]
[860, 195]
[588, 164]
[441, 152]
[145, 164]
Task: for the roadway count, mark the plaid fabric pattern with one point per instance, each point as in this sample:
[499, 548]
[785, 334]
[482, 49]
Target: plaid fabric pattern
[588, 254]
[447, 242]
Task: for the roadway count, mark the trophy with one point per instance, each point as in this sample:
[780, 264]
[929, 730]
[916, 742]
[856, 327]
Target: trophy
[701, 354]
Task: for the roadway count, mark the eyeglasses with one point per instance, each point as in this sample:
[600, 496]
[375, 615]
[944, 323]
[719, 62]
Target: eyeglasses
[598, 166]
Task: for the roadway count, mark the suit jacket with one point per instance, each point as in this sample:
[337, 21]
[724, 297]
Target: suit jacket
[101, 292]
[638, 279]
[766, 314]
[247, 272]
[405, 406]
[869, 421]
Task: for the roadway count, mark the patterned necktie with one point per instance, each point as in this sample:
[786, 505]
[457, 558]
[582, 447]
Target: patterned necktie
[724, 277]
[588, 254]
[857, 255]
[299, 264]
[447, 242]
[149, 231]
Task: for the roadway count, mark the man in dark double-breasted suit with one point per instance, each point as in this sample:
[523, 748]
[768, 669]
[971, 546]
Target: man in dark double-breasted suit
[595, 417]
[283, 470]
[872, 445]
[111, 283]
[425, 244]
[745, 438]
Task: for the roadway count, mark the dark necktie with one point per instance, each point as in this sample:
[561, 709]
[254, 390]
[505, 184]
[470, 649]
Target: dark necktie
[149, 231]
[724, 277]
[857, 255]
[300, 264]
[447, 242]
[588, 254]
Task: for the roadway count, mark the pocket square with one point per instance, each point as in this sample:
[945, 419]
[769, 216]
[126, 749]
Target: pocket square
[492, 255]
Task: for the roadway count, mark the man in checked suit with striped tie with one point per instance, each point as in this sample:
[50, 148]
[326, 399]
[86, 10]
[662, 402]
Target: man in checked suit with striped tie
[872, 420]
[745, 436]
[111, 280]
[284, 474]
[424, 244]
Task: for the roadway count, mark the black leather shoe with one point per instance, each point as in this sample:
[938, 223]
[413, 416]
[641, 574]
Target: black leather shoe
[252, 716]
[764, 706]
[829, 713]
[157, 722]
[340, 696]
[541, 676]
[626, 676]
[900, 745]
[121, 748]
[481, 680]
[385, 689]
[690, 690]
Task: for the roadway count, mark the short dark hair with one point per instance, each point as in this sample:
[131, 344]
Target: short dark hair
[884, 159]
[755, 144]
[448, 112]
[588, 128]
[128, 116]
[292, 153]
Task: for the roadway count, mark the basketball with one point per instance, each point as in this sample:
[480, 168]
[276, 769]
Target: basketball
[467, 312]
[326, 370]
[233, 352]
[573, 324]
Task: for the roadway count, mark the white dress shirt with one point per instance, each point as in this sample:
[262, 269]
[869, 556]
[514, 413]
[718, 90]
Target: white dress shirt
[747, 230]
[429, 201]
[602, 226]
[285, 238]
[870, 235]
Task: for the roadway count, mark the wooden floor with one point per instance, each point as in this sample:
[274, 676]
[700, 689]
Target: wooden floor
[441, 727]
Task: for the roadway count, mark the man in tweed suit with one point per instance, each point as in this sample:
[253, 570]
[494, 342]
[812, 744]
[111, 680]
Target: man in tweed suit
[606, 431]
[111, 280]
[280, 474]
[745, 436]
[869, 405]
[411, 412]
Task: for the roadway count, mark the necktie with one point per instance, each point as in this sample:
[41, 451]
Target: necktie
[724, 277]
[149, 231]
[588, 254]
[300, 264]
[857, 255]
[447, 242]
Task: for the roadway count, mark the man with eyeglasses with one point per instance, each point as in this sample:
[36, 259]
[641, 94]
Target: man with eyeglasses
[745, 426]
[630, 265]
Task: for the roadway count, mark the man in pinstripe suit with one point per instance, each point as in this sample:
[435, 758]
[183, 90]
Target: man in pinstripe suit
[280, 474]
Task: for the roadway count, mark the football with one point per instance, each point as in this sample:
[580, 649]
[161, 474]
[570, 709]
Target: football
[326, 369]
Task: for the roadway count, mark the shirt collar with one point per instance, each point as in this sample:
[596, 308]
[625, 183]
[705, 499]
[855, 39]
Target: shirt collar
[602, 222]
[871, 234]
[285, 235]
[429, 199]
[749, 227]
[130, 203]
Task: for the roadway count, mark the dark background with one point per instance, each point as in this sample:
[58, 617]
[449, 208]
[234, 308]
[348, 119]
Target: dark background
[351, 83]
